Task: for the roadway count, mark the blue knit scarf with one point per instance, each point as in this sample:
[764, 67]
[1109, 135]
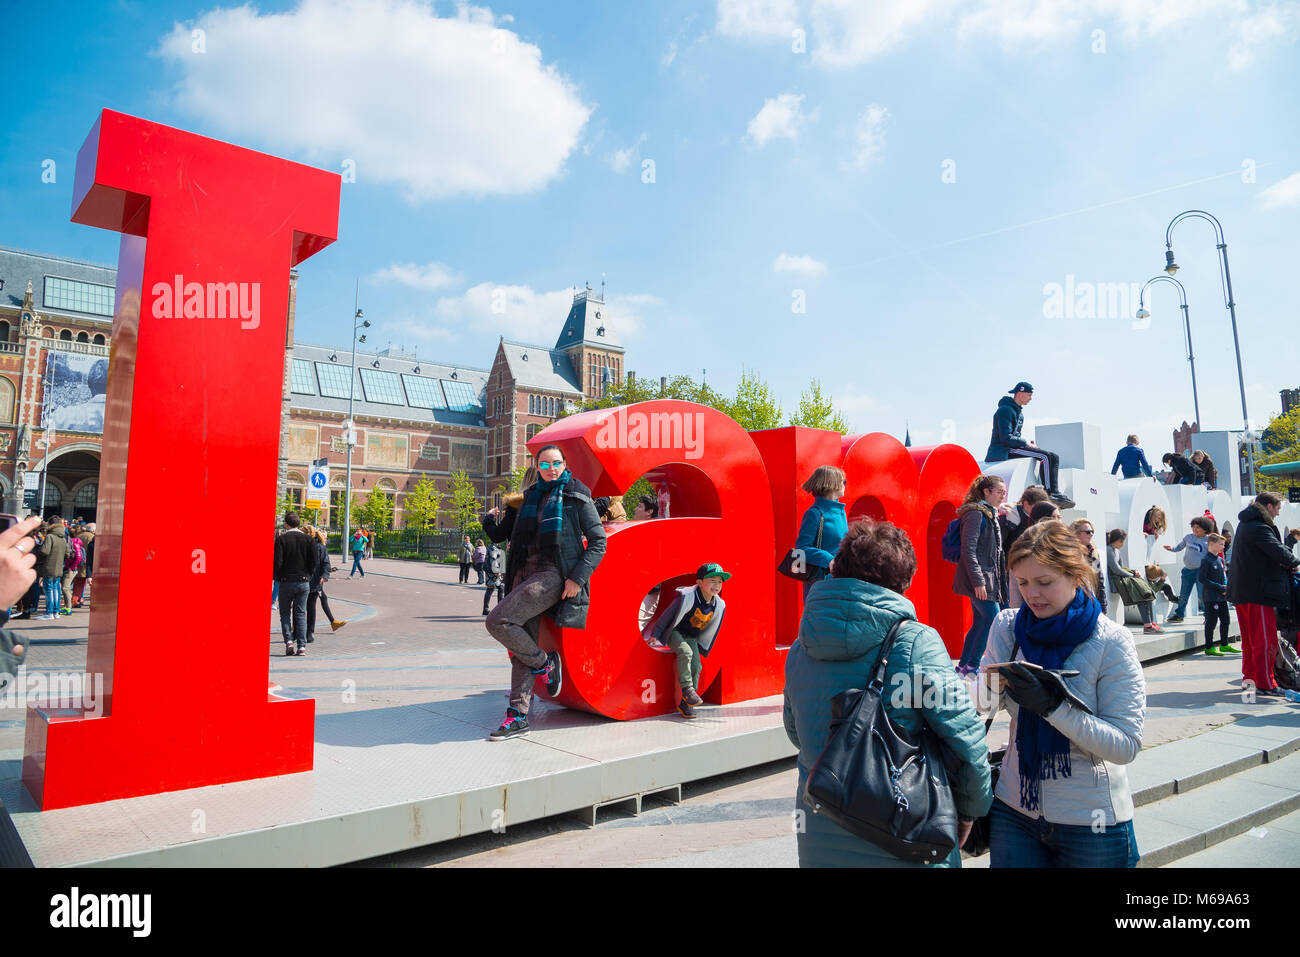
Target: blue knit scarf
[552, 514]
[1041, 750]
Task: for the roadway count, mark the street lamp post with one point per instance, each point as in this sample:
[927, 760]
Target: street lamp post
[1171, 267]
[1142, 313]
[350, 431]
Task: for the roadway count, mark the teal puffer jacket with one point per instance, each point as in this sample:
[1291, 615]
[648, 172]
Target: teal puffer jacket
[845, 622]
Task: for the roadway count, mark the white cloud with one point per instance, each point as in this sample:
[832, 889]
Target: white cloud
[440, 106]
[428, 276]
[848, 33]
[519, 312]
[869, 135]
[621, 160]
[801, 265]
[1285, 192]
[780, 117]
[761, 19]
[858, 407]
[670, 54]
[423, 330]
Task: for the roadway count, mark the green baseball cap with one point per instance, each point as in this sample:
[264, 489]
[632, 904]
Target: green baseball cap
[712, 570]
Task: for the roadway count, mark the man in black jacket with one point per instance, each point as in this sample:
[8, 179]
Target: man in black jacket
[295, 560]
[1005, 442]
[1259, 581]
[546, 572]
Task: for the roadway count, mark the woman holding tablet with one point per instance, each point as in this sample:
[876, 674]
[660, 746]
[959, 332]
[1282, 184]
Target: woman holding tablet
[1063, 798]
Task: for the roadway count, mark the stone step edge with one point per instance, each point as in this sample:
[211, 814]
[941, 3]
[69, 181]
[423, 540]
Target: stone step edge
[1230, 828]
[1181, 785]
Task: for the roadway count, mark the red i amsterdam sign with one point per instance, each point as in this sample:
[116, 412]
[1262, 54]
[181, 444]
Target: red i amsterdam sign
[209, 232]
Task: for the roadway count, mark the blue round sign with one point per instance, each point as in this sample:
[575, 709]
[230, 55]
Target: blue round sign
[318, 479]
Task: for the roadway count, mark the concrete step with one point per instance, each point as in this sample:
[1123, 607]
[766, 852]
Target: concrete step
[1274, 844]
[1179, 826]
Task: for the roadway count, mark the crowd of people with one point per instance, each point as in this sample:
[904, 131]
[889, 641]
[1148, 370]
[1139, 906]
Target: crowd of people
[65, 554]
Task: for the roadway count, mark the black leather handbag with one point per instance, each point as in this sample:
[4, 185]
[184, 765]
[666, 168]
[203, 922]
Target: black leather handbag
[794, 563]
[872, 781]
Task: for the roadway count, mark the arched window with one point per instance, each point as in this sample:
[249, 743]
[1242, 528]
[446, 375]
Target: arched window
[83, 337]
[53, 497]
[87, 496]
[4, 331]
[99, 338]
[66, 335]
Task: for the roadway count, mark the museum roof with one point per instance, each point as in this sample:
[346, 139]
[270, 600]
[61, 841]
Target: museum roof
[387, 386]
[537, 367]
[18, 266]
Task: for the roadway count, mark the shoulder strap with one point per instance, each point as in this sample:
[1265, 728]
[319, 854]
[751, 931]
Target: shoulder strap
[878, 680]
[821, 523]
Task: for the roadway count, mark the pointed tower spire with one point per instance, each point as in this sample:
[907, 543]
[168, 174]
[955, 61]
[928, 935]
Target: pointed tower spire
[907, 437]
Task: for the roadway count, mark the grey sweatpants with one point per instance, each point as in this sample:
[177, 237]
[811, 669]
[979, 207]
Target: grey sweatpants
[515, 622]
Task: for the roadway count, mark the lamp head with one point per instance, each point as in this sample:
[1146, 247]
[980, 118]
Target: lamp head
[361, 339]
[1142, 313]
[361, 313]
[1171, 267]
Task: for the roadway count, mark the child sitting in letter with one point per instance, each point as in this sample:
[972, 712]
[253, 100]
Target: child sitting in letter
[689, 626]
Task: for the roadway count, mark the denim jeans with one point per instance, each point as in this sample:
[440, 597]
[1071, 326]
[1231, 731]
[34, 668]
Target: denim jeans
[978, 636]
[356, 564]
[53, 588]
[1185, 592]
[293, 611]
[1019, 841]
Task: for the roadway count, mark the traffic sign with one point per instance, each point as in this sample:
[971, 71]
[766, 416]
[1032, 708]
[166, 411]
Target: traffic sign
[318, 484]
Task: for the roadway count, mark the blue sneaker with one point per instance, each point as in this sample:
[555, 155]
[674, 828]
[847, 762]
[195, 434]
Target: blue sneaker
[514, 724]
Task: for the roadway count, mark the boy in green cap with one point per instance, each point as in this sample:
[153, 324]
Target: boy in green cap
[689, 626]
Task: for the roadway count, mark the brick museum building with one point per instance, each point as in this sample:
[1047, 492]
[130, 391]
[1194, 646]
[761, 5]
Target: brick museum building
[411, 416]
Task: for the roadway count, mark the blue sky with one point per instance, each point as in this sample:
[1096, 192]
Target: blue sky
[916, 172]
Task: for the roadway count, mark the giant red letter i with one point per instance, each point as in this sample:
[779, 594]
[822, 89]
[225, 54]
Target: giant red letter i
[192, 425]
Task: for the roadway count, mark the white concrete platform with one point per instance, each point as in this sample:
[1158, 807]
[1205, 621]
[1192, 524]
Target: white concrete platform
[390, 779]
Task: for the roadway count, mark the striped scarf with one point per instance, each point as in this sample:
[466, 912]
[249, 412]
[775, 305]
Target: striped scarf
[552, 520]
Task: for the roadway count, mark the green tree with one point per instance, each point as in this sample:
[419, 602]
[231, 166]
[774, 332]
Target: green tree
[376, 513]
[816, 411]
[1279, 442]
[753, 407]
[423, 502]
[464, 504]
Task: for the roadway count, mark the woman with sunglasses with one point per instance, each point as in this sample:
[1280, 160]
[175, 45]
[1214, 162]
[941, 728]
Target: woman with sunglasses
[546, 573]
[1087, 534]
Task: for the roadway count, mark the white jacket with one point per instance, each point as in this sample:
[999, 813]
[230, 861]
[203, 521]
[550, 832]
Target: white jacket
[1110, 682]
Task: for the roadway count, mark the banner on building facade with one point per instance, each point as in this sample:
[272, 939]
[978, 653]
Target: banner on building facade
[76, 387]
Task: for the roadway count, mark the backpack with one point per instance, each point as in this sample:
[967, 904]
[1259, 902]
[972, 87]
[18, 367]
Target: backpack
[76, 556]
[951, 545]
[1286, 669]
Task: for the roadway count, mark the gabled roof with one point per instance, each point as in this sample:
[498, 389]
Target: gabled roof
[588, 323]
[537, 367]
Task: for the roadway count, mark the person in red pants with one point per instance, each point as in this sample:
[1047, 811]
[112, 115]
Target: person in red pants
[1258, 582]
